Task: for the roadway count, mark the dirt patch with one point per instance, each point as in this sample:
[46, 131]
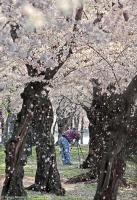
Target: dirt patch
[28, 180]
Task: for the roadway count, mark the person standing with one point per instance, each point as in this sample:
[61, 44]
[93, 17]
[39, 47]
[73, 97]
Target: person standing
[64, 143]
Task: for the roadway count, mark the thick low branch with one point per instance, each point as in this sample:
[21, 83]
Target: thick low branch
[49, 73]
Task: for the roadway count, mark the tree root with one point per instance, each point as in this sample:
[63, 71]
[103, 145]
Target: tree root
[38, 188]
[86, 164]
[34, 187]
[124, 183]
[85, 177]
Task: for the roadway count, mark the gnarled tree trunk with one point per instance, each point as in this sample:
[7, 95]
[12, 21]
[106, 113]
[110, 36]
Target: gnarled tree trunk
[14, 165]
[120, 126]
[95, 116]
[112, 167]
[47, 177]
[13, 185]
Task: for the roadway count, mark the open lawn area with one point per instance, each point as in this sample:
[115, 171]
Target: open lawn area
[80, 191]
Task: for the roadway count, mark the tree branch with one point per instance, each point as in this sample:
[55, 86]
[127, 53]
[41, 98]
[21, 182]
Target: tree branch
[111, 66]
[49, 74]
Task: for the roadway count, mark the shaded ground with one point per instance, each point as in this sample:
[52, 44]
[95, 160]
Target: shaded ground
[81, 191]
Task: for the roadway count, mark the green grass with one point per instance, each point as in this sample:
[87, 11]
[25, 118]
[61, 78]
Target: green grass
[52, 197]
[73, 192]
[2, 160]
[131, 172]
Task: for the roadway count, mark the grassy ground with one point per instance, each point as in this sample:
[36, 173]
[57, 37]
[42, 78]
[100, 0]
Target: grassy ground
[73, 191]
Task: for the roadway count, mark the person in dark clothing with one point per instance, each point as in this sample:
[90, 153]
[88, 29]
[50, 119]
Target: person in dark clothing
[64, 143]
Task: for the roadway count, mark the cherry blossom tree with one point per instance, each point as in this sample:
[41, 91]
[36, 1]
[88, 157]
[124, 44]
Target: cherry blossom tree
[61, 47]
[34, 106]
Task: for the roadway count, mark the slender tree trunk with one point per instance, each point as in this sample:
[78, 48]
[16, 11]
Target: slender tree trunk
[76, 121]
[47, 177]
[82, 131]
[71, 122]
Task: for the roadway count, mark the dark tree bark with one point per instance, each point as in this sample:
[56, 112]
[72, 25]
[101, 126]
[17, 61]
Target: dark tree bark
[64, 124]
[110, 118]
[76, 121]
[47, 177]
[81, 130]
[14, 148]
[2, 123]
[43, 116]
[112, 167]
[95, 116]
[120, 127]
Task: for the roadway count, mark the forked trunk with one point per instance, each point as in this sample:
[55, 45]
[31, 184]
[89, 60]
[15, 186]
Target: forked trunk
[13, 185]
[47, 177]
